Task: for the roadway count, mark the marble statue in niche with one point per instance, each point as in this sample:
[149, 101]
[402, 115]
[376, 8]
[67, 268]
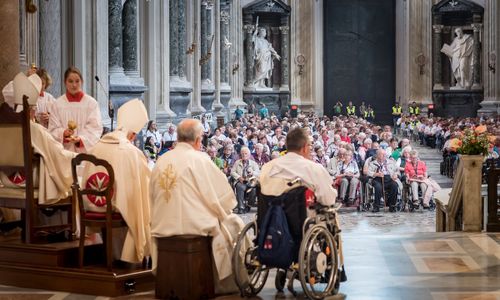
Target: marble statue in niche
[460, 54]
[264, 54]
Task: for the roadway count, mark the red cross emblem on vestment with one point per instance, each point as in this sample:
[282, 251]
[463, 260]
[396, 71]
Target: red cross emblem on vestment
[17, 178]
[98, 181]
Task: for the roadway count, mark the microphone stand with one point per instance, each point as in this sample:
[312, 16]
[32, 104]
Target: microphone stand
[111, 110]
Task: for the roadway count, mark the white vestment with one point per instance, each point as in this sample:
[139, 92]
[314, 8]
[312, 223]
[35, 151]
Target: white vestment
[276, 174]
[87, 116]
[190, 195]
[131, 191]
[54, 173]
[43, 105]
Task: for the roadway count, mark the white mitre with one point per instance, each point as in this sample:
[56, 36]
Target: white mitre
[132, 116]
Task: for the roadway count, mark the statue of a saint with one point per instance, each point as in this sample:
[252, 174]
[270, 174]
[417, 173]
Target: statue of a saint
[460, 54]
[264, 54]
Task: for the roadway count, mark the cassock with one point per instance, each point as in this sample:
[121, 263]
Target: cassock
[53, 177]
[131, 191]
[87, 116]
[190, 195]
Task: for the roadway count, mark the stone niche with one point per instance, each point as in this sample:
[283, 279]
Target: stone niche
[450, 97]
[274, 16]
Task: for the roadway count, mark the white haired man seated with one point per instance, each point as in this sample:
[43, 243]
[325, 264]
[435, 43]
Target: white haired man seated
[190, 195]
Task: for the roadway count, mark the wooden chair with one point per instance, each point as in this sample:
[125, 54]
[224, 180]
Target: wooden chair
[105, 221]
[17, 155]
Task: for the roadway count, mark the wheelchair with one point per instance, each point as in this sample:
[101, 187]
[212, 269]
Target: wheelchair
[316, 257]
[408, 195]
[368, 198]
[250, 196]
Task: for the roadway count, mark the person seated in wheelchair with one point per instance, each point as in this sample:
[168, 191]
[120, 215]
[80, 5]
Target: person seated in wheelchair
[347, 176]
[416, 176]
[279, 176]
[385, 173]
[244, 173]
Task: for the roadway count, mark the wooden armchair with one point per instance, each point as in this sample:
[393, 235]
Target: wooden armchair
[105, 221]
[17, 155]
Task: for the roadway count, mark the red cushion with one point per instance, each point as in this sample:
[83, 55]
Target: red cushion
[101, 216]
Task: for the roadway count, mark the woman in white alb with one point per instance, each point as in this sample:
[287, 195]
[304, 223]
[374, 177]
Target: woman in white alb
[75, 118]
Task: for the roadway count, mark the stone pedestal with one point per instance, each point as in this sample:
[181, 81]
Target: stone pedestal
[472, 202]
[277, 102]
[459, 103]
[120, 94]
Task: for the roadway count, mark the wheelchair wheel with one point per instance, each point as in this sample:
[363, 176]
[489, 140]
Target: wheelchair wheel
[252, 279]
[280, 280]
[318, 263]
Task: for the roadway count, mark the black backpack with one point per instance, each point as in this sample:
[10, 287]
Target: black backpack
[275, 243]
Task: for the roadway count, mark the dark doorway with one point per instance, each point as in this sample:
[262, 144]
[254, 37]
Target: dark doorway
[360, 55]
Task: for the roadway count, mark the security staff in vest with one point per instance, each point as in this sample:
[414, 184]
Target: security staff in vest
[413, 109]
[337, 109]
[397, 110]
[350, 109]
[369, 114]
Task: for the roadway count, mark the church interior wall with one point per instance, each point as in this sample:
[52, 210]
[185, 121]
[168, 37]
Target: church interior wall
[82, 30]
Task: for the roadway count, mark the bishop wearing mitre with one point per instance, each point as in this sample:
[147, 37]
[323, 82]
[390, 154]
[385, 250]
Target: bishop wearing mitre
[131, 186]
[53, 176]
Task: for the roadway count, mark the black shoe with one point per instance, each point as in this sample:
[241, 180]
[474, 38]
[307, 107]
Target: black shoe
[343, 276]
[392, 209]
[375, 209]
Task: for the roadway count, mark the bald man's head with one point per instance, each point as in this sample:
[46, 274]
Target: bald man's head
[189, 130]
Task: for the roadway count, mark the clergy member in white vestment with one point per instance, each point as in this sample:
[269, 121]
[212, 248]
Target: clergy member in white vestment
[75, 118]
[276, 174]
[131, 186]
[190, 195]
[45, 100]
[53, 177]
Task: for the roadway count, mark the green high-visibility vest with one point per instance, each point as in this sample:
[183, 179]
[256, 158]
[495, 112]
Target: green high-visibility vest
[414, 110]
[396, 110]
[369, 114]
[351, 110]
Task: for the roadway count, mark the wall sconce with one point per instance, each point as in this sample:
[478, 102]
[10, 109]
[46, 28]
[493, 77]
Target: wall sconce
[31, 7]
[300, 60]
[492, 63]
[191, 49]
[421, 60]
[236, 67]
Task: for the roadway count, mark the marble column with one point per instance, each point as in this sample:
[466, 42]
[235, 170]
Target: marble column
[9, 30]
[195, 106]
[50, 42]
[285, 60]
[248, 29]
[174, 37]
[206, 43]
[224, 36]
[275, 40]
[115, 36]
[476, 54]
[182, 46]
[129, 17]
[437, 69]
[217, 106]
